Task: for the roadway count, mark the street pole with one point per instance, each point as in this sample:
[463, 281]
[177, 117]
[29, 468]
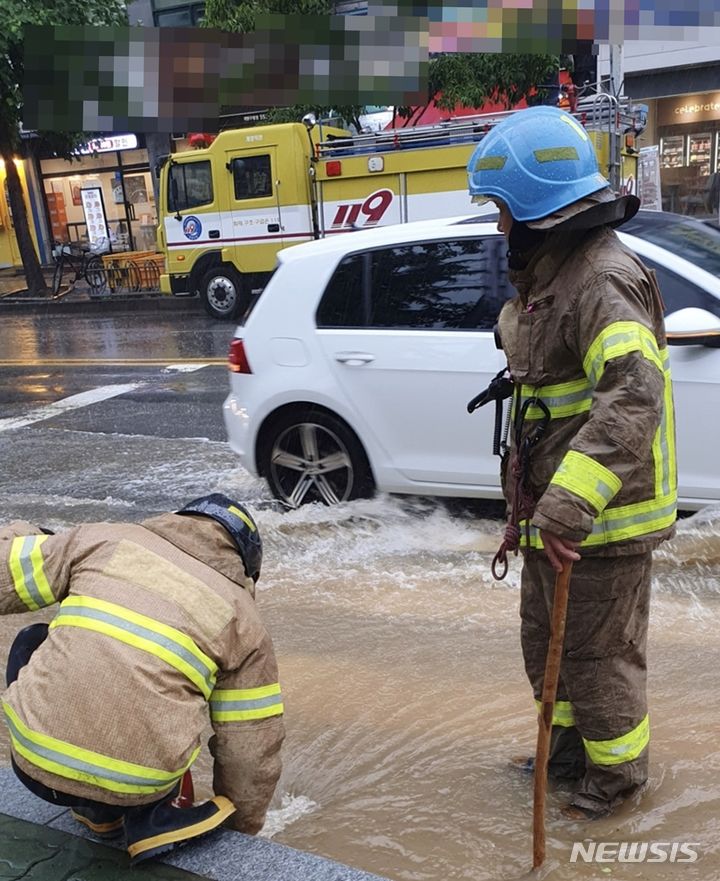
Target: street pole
[617, 75]
[617, 78]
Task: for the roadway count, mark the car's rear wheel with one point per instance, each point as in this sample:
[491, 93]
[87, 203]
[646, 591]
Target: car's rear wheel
[223, 293]
[312, 456]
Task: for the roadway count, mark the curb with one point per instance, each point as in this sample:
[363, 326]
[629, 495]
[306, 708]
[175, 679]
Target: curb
[148, 302]
[69, 850]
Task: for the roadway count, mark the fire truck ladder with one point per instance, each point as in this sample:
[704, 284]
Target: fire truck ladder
[600, 112]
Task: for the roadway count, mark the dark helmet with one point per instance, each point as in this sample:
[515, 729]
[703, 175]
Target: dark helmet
[238, 522]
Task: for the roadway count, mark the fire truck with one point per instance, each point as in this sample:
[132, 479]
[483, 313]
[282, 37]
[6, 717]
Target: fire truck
[227, 209]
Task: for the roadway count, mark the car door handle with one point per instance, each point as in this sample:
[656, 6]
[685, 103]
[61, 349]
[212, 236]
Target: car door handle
[354, 359]
[214, 234]
[273, 227]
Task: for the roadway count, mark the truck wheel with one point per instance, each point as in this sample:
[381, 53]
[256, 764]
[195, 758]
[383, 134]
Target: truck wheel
[222, 292]
[314, 457]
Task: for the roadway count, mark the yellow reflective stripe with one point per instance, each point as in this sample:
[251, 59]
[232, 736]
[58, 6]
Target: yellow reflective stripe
[562, 399]
[244, 704]
[75, 763]
[579, 130]
[562, 713]
[588, 479]
[621, 749]
[490, 163]
[618, 524]
[555, 154]
[243, 516]
[617, 339]
[664, 442]
[28, 575]
[146, 634]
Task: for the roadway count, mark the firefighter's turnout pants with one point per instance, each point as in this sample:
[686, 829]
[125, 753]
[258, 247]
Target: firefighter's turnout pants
[600, 724]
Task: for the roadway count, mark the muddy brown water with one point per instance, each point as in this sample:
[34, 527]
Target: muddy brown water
[405, 696]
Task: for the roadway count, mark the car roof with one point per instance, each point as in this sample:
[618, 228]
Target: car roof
[397, 233]
[466, 226]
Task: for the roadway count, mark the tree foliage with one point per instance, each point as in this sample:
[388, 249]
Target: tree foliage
[471, 80]
[468, 80]
[17, 14]
[238, 16]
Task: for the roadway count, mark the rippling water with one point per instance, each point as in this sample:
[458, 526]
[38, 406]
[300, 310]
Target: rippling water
[406, 695]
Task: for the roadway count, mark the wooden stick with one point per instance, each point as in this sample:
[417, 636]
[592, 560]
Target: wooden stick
[549, 692]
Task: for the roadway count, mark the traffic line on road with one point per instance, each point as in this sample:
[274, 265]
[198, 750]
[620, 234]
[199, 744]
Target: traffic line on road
[192, 363]
[184, 368]
[83, 399]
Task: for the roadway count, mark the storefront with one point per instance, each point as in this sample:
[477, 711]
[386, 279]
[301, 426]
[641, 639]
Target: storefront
[688, 134]
[105, 197]
[9, 250]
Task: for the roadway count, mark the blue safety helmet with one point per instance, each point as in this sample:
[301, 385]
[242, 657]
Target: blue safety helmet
[536, 161]
[238, 522]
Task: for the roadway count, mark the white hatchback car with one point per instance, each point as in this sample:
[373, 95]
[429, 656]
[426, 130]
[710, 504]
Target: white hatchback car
[354, 368]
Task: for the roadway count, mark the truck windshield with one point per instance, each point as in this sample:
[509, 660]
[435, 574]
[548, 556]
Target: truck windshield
[189, 185]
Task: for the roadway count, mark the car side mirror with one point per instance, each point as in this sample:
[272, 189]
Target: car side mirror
[693, 327]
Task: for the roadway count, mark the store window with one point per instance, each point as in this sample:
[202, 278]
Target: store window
[123, 211]
[689, 135]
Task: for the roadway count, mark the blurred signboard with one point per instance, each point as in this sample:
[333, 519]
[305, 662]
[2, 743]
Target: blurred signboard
[649, 189]
[110, 143]
[94, 210]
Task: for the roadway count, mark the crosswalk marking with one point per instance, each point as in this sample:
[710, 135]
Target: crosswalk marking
[83, 399]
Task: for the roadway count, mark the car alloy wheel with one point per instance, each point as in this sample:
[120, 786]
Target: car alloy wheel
[309, 462]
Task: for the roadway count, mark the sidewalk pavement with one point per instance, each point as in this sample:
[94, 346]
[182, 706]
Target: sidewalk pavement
[41, 842]
[77, 297]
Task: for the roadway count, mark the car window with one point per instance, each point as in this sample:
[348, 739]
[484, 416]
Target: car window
[460, 284]
[689, 239]
[345, 303]
[189, 185]
[679, 293]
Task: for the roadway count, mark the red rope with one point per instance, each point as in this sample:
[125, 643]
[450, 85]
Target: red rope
[522, 508]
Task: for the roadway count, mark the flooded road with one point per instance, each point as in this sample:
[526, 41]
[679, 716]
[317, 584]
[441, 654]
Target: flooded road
[399, 655]
[405, 692]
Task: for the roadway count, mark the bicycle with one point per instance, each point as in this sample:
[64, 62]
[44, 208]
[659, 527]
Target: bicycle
[84, 262]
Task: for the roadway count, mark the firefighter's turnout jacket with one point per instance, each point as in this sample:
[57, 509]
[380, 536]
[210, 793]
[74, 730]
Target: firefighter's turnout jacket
[156, 628]
[586, 336]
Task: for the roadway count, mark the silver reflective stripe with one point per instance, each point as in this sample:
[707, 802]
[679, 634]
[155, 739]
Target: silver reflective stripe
[616, 340]
[144, 632]
[664, 427]
[610, 523]
[560, 405]
[26, 564]
[628, 525]
[26, 568]
[98, 771]
[256, 704]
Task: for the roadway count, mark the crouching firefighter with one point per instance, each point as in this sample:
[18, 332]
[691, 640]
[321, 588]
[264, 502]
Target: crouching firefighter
[156, 628]
[590, 475]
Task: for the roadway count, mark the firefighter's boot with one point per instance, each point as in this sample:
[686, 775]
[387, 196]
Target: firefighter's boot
[104, 822]
[158, 828]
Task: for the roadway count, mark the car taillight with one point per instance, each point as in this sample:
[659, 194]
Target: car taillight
[237, 359]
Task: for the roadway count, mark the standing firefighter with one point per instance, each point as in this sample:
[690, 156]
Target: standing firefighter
[156, 627]
[591, 472]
